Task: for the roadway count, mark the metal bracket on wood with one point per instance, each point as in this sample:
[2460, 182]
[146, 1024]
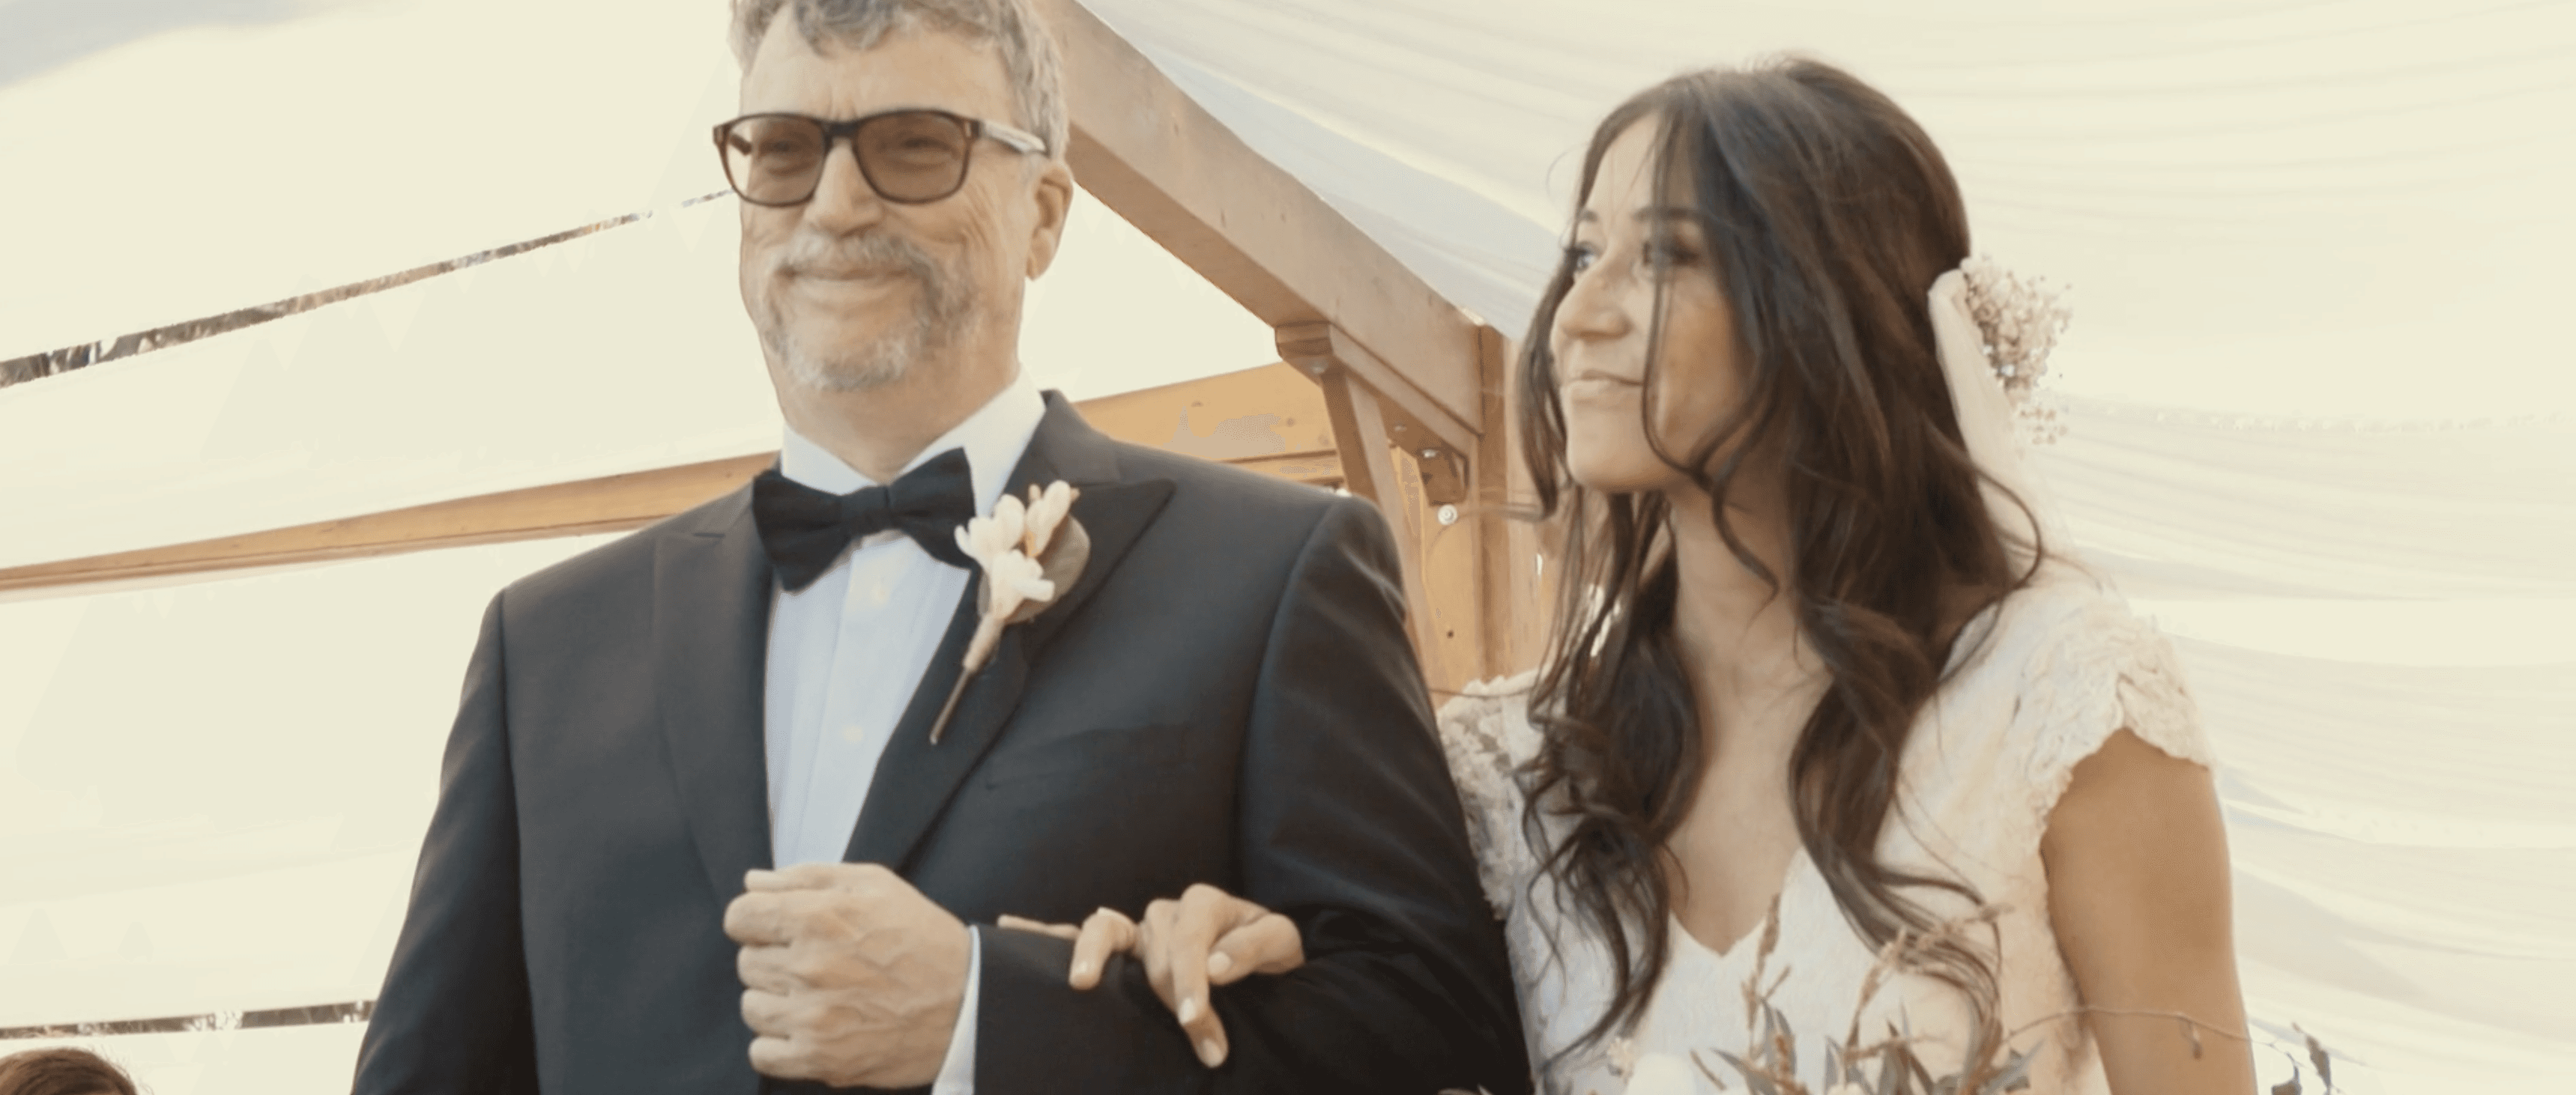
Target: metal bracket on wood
[1444, 475]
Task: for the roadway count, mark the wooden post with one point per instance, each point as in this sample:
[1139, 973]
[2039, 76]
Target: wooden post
[1369, 470]
[1488, 604]
[1473, 584]
[1451, 581]
[1515, 593]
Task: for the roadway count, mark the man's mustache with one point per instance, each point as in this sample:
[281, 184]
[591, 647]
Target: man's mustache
[858, 256]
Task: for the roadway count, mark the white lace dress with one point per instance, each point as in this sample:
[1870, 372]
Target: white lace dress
[2041, 681]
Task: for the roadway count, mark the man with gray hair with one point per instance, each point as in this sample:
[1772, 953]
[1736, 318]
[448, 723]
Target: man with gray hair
[726, 809]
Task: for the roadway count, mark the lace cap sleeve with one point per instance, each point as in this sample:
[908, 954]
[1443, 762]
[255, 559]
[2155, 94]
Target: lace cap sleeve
[2098, 669]
[1487, 735]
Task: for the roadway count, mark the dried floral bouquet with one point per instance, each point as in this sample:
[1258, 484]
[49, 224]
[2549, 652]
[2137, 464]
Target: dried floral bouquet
[1889, 1065]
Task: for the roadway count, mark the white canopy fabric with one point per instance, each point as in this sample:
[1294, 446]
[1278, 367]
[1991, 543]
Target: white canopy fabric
[2285, 206]
[2317, 397]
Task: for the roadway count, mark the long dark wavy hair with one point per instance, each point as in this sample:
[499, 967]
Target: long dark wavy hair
[1828, 214]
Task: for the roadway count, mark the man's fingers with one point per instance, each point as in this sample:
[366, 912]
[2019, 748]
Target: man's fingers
[766, 969]
[760, 918]
[766, 1012]
[1106, 932]
[768, 918]
[801, 876]
[783, 1058]
[816, 876]
[1267, 944]
[778, 915]
[759, 881]
[1039, 927]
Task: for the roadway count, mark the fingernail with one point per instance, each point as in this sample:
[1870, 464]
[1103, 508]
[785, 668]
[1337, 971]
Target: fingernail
[1082, 969]
[1190, 1013]
[1210, 1053]
[1220, 962]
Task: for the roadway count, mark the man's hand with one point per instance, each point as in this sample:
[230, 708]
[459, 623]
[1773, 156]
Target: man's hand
[850, 976]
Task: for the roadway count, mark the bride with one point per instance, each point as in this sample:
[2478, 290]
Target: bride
[1825, 733]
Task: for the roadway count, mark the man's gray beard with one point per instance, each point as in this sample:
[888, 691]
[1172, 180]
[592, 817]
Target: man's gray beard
[946, 304]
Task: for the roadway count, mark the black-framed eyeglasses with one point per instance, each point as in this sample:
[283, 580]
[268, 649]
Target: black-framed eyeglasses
[907, 156]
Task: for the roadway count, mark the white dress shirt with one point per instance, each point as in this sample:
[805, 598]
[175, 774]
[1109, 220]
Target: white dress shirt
[847, 652]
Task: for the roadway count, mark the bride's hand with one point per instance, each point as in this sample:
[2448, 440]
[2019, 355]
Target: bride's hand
[1207, 938]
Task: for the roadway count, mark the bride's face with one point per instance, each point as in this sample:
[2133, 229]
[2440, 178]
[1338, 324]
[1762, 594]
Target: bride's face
[1626, 244]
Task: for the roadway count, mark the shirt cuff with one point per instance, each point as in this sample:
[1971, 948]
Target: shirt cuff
[957, 1072]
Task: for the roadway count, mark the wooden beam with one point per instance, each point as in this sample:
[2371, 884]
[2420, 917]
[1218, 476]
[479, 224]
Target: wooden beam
[1273, 401]
[1315, 469]
[609, 504]
[1258, 413]
[1270, 419]
[1250, 228]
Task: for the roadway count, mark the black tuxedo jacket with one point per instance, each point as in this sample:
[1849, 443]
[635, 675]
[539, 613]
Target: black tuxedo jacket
[1225, 696]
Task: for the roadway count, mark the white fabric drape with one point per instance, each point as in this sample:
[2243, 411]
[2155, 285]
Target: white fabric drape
[215, 791]
[2373, 620]
[2206, 505]
[2318, 422]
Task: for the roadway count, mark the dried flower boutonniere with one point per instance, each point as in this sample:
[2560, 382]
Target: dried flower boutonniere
[1030, 552]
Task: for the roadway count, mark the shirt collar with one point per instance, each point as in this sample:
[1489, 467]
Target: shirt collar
[994, 437]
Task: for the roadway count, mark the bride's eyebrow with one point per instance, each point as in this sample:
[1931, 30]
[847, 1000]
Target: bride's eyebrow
[1653, 214]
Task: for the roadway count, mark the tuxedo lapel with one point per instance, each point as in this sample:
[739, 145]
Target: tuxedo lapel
[915, 779]
[711, 594]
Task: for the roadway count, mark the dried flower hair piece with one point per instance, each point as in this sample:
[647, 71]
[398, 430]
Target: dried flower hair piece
[2020, 320]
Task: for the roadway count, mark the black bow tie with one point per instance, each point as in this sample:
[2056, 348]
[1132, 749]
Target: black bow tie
[804, 529]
